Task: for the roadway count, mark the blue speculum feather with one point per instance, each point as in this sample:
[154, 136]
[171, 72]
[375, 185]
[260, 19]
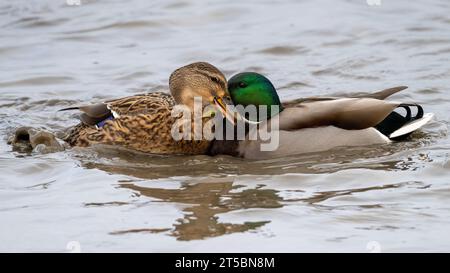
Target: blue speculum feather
[102, 123]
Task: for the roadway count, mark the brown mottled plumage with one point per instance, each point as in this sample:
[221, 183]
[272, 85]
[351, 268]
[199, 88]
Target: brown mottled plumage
[143, 122]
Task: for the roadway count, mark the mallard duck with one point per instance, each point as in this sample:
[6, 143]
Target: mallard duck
[143, 122]
[319, 123]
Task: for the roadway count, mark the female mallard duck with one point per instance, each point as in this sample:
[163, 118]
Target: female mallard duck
[144, 122]
[320, 123]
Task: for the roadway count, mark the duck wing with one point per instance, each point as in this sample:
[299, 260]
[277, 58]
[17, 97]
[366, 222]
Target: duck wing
[383, 94]
[356, 114]
[140, 104]
[394, 125]
[380, 95]
[133, 105]
[345, 113]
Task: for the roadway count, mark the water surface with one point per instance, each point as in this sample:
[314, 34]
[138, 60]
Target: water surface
[378, 198]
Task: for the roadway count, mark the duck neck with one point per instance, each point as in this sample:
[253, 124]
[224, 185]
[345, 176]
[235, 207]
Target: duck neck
[270, 102]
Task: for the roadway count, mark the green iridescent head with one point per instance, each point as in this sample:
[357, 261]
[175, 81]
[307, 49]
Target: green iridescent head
[250, 88]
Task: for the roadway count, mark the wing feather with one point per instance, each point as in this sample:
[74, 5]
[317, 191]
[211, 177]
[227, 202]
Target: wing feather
[133, 105]
[380, 95]
[346, 113]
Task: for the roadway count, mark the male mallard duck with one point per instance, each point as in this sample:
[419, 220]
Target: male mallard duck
[144, 122]
[320, 123]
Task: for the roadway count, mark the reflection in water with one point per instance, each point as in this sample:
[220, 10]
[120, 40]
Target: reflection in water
[210, 189]
[326, 195]
[206, 201]
[122, 161]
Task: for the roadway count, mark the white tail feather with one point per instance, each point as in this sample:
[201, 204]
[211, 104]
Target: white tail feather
[412, 126]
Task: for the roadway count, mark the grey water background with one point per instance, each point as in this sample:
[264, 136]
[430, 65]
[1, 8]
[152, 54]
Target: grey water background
[379, 198]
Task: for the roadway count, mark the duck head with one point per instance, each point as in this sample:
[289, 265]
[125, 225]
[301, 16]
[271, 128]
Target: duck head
[250, 88]
[203, 80]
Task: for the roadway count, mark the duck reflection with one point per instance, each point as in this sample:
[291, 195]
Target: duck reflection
[127, 162]
[211, 190]
[207, 200]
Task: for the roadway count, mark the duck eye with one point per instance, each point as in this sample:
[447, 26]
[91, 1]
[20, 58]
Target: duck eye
[216, 80]
[242, 85]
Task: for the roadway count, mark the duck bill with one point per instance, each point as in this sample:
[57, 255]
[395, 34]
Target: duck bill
[230, 114]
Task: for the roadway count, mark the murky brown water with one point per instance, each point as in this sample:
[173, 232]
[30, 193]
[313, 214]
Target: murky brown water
[380, 198]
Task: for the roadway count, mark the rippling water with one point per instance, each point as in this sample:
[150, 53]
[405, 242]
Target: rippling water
[378, 198]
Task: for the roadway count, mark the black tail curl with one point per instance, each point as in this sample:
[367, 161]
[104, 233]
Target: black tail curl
[395, 120]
